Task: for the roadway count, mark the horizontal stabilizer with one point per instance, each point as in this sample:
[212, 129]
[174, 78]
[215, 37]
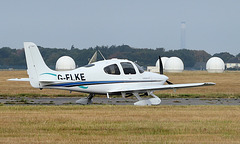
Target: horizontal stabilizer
[19, 79]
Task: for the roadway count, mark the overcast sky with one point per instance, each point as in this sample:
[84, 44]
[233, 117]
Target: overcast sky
[211, 25]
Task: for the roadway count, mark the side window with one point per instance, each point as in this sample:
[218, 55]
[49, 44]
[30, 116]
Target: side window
[128, 68]
[112, 69]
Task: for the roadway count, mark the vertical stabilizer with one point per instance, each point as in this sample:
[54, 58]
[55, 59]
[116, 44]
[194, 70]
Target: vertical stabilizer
[35, 63]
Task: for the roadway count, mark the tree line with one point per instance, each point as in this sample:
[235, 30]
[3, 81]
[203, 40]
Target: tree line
[192, 59]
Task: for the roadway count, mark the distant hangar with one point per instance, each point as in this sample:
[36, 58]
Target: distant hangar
[172, 64]
[215, 65]
[65, 63]
[176, 65]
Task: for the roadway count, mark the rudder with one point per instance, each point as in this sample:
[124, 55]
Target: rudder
[35, 63]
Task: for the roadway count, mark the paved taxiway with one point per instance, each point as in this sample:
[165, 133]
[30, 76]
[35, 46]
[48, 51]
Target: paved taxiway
[114, 101]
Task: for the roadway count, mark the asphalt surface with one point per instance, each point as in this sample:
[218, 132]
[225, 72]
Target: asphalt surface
[114, 101]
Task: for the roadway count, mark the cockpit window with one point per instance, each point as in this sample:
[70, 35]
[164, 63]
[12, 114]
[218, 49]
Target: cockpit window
[112, 69]
[140, 69]
[128, 68]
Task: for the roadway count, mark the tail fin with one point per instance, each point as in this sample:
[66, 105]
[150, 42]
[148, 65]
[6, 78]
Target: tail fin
[35, 64]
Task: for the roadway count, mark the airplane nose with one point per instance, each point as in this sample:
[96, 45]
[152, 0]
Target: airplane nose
[165, 78]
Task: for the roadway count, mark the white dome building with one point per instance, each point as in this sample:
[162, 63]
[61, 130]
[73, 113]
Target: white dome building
[174, 64]
[65, 63]
[215, 65]
[164, 59]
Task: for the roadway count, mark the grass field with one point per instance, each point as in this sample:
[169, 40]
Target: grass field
[123, 124]
[227, 85]
[120, 124]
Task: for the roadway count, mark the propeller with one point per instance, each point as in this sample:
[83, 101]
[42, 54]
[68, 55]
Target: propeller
[161, 69]
[160, 65]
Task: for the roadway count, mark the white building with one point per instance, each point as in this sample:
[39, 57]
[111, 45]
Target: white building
[152, 69]
[65, 63]
[164, 59]
[215, 65]
[173, 64]
[232, 65]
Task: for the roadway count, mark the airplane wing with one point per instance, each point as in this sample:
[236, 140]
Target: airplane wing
[19, 79]
[163, 87]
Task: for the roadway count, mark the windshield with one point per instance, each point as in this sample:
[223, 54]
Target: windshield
[128, 68]
[140, 69]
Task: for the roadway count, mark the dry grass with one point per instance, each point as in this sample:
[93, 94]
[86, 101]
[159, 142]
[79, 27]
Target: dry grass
[227, 83]
[122, 124]
[119, 124]
[15, 87]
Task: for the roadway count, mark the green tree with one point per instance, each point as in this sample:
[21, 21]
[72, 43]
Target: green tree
[225, 56]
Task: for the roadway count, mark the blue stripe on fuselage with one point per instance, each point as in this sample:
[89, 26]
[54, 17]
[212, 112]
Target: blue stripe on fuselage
[49, 74]
[95, 82]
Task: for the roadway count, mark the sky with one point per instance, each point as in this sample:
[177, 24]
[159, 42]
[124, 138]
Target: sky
[211, 25]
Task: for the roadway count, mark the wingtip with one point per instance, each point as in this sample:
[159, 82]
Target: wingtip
[209, 83]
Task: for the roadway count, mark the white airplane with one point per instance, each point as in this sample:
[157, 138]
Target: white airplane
[114, 76]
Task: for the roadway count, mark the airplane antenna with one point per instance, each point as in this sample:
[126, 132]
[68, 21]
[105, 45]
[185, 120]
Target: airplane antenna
[101, 54]
[93, 59]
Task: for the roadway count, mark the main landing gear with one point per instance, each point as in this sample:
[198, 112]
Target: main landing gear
[152, 101]
[85, 100]
[141, 102]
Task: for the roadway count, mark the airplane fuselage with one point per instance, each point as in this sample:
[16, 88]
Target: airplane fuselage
[102, 77]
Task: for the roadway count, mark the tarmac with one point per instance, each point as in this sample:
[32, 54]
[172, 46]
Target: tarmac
[114, 101]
